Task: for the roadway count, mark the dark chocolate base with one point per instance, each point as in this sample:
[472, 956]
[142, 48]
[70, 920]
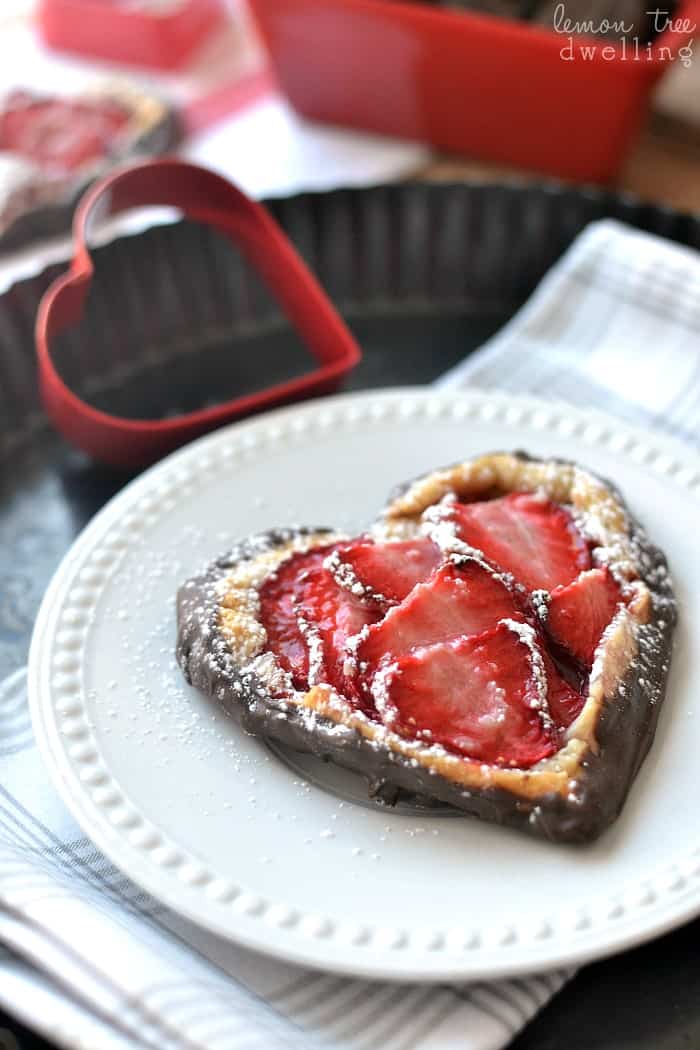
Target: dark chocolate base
[624, 732]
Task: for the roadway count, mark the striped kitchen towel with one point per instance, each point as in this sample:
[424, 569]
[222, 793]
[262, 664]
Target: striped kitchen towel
[615, 325]
[95, 963]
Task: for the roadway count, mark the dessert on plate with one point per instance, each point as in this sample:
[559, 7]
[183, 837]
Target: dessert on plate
[498, 640]
[52, 147]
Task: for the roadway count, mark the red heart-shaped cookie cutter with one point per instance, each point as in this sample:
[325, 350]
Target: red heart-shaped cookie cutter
[208, 198]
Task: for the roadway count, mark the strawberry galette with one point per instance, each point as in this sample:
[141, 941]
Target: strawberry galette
[52, 147]
[498, 640]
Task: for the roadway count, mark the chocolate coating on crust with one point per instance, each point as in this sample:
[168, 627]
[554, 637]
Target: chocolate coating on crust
[624, 728]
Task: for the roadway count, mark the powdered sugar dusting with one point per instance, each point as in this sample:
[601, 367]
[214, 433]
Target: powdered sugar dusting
[314, 644]
[540, 601]
[346, 577]
[381, 684]
[526, 634]
[352, 644]
[267, 669]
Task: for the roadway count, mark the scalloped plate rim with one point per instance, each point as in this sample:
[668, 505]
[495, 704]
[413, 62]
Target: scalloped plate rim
[494, 961]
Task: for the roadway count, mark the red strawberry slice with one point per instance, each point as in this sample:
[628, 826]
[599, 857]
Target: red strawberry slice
[579, 613]
[531, 538]
[278, 596]
[455, 601]
[308, 619]
[476, 696]
[563, 700]
[334, 616]
[390, 570]
[60, 135]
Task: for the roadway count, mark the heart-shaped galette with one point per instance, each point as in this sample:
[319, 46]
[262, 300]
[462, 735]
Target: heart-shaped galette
[498, 640]
[52, 146]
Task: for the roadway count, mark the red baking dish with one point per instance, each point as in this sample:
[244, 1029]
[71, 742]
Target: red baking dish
[123, 33]
[497, 89]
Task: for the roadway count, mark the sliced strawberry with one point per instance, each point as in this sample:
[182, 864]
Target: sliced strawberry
[579, 613]
[278, 596]
[477, 696]
[564, 701]
[308, 619]
[532, 538]
[455, 601]
[335, 615]
[440, 665]
[390, 570]
[60, 135]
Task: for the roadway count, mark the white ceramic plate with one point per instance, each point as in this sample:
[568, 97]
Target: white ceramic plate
[220, 829]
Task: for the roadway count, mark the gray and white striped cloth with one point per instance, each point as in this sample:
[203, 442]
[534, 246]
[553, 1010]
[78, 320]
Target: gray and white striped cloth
[95, 963]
